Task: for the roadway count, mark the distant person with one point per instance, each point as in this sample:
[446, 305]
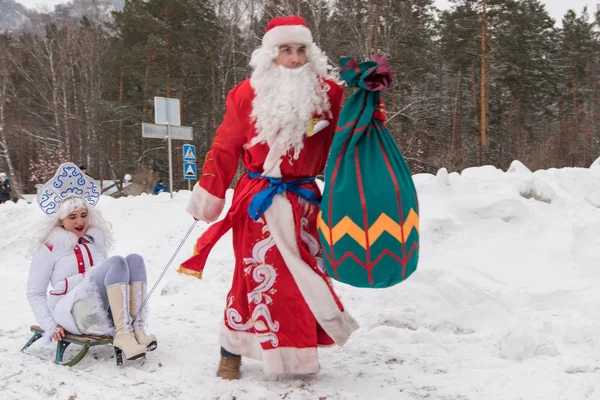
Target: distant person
[83, 169]
[160, 187]
[5, 188]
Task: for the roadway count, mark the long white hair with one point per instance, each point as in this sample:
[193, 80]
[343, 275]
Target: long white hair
[287, 99]
[68, 206]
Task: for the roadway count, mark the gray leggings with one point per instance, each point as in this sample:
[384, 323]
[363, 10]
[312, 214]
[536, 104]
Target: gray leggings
[117, 269]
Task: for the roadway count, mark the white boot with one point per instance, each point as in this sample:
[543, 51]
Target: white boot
[118, 298]
[138, 294]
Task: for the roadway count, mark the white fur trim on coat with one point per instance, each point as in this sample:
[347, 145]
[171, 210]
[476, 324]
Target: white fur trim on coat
[204, 206]
[339, 325]
[281, 360]
[272, 164]
[287, 34]
[61, 239]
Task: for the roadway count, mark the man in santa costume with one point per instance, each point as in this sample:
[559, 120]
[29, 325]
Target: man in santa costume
[280, 122]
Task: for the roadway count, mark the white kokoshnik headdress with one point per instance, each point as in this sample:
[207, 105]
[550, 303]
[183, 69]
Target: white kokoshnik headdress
[68, 182]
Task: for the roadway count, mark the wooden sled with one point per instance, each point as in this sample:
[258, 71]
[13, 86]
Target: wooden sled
[85, 341]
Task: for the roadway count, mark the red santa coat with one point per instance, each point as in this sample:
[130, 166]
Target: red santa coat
[281, 305]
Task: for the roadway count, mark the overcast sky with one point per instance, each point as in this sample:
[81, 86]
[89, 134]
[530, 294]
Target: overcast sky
[33, 3]
[556, 8]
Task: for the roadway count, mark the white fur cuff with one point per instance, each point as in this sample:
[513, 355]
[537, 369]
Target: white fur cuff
[281, 360]
[204, 206]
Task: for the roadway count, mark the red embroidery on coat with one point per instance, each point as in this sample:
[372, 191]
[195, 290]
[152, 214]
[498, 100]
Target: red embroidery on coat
[49, 246]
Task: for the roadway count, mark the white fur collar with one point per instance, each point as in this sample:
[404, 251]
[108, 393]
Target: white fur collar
[61, 239]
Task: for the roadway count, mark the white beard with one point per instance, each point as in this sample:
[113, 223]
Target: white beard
[284, 104]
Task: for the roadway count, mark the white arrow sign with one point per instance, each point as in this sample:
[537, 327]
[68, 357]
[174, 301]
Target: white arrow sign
[189, 171]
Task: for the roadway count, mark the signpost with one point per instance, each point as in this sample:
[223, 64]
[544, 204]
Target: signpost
[189, 163]
[160, 131]
[167, 118]
[166, 111]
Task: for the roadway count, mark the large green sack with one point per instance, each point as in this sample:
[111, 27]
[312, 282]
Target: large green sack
[369, 218]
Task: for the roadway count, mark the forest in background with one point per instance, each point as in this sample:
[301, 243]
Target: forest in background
[485, 82]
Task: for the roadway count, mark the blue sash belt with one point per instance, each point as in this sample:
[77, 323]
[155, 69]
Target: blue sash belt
[263, 199]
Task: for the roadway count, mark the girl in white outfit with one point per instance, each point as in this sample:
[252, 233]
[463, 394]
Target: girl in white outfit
[87, 287]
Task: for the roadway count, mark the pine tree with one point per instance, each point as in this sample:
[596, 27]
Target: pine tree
[576, 46]
[527, 76]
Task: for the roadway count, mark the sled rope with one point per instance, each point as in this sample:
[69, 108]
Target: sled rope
[165, 270]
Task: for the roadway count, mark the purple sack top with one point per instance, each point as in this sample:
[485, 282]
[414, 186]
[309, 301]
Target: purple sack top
[373, 75]
[381, 78]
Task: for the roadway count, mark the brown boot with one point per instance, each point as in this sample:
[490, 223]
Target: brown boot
[229, 368]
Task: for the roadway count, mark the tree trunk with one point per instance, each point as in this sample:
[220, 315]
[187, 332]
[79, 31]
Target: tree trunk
[376, 26]
[503, 129]
[145, 101]
[213, 92]
[403, 126]
[457, 123]
[562, 135]
[75, 104]
[474, 95]
[66, 120]
[440, 141]
[483, 83]
[168, 51]
[394, 107]
[121, 125]
[368, 36]
[54, 83]
[575, 131]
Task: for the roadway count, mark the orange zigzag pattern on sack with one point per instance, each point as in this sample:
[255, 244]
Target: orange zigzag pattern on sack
[383, 224]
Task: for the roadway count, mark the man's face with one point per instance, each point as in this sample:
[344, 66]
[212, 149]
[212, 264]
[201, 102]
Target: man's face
[291, 55]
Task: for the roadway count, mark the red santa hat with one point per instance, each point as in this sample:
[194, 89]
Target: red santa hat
[282, 30]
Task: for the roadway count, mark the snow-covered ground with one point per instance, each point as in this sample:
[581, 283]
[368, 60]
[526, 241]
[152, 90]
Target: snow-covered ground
[505, 303]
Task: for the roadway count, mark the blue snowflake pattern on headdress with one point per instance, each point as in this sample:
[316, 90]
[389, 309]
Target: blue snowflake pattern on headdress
[68, 182]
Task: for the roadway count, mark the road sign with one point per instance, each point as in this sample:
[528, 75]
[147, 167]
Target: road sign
[167, 116]
[166, 111]
[160, 131]
[189, 171]
[189, 152]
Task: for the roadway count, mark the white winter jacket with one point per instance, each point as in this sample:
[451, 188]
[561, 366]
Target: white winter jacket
[64, 262]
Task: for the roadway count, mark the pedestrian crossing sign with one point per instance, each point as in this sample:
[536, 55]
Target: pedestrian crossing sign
[189, 152]
[189, 171]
